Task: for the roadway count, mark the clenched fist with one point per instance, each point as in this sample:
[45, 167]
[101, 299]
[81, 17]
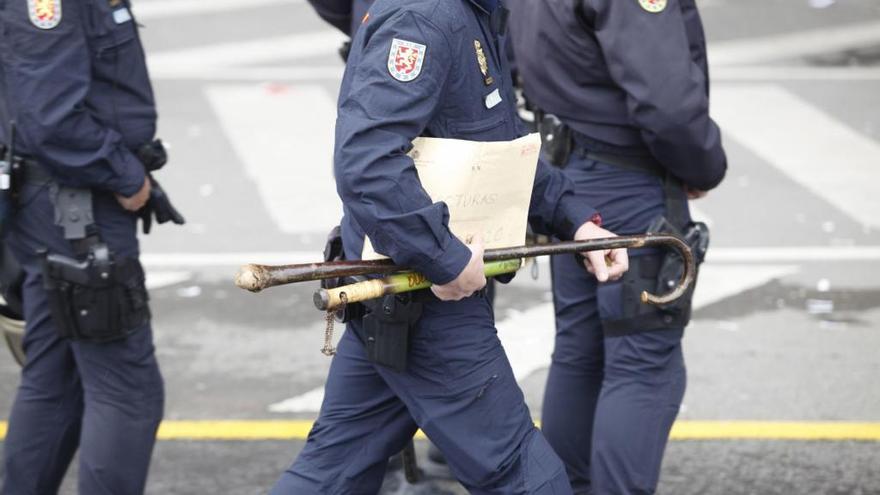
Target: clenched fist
[608, 264]
[470, 280]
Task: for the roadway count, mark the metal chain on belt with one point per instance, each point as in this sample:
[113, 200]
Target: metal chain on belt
[328, 349]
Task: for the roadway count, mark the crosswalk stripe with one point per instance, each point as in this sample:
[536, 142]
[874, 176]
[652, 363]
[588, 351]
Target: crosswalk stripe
[192, 62]
[284, 137]
[179, 71]
[160, 9]
[758, 254]
[813, 149]
[777, 73]
[757, 49]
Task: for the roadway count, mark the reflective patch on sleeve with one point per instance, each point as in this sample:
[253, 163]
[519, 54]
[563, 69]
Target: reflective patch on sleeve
[653, 6]
[44, 14]
[405, 60]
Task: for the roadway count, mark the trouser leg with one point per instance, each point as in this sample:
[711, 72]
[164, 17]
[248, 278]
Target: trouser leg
[362, 423]
[124, 402]
[458, 387]
[641, 395]
[461, 391]
[44, 424]
[119, 392]
[576, 371]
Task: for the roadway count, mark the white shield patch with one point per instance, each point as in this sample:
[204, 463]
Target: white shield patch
[405, 60]
[653, 6]
[45, 14]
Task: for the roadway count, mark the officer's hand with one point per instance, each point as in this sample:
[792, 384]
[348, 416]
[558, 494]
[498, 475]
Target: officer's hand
[470, 280]
[136, 202]
[608, 264]
[695, 193]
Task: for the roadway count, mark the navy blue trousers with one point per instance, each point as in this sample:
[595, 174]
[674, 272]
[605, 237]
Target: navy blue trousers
[104, 399]
[610, 401]
[458, 388]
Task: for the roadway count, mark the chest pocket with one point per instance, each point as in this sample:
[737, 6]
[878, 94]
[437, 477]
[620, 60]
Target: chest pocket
[492, 128]
[110, 26]
[485, 111]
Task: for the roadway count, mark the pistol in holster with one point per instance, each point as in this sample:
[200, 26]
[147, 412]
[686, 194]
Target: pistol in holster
[98, 299]
[696, 236]
[557, 141]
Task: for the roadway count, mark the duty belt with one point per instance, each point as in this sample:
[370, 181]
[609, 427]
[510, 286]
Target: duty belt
[676, 205]
[29, 171]
[624, 159]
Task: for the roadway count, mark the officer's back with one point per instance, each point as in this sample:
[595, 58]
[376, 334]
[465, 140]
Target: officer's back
[612, 71]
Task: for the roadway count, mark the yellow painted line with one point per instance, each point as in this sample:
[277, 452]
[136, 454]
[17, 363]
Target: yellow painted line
[254, 430]
[234, 430]
[776, 430]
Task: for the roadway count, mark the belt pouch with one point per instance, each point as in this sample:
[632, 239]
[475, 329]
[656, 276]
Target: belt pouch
[387, 327]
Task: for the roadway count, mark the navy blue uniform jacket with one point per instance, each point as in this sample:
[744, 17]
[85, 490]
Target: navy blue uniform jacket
[625, 76]
[442, 93]
[79, 91]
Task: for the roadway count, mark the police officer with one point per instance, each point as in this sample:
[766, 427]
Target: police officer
[429, 67]
[73, 77]
[628, 81]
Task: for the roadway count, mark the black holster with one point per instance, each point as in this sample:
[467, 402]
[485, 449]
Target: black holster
[388, 325]
[659, 273]
[99, 299]
[635, 316]
[557, 140]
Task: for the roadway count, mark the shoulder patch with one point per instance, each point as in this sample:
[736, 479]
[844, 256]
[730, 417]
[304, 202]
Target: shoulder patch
[405, 60]
[45, 14]
[653, 6]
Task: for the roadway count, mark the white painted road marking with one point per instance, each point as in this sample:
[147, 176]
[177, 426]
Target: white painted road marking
[528, 336]
[783, 74]
[308, 402]
[284, 136]
[812, 148]
[332, 73]
[820, 41]
[158, 279]
[190, 62]
[160, 9]
[793, 254]
[787, 255]
[718, 282]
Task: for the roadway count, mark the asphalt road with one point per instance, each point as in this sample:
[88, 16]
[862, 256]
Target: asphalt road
[787, 326]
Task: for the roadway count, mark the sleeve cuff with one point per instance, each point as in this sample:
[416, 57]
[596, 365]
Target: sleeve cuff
[449, 265]
[571, 214]
[130, 174]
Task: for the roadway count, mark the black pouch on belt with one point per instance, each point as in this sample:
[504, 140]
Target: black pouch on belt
[387, 327]
[99, 299]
